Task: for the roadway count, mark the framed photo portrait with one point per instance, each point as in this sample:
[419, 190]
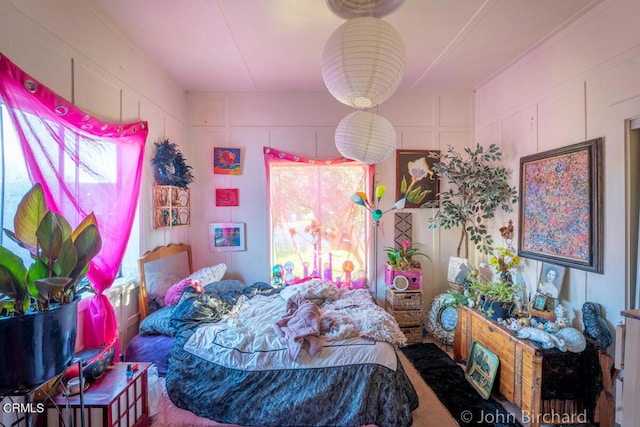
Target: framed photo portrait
[550, 281]
[226, 236]
[540, 302]
[415, 180]
[561, 206]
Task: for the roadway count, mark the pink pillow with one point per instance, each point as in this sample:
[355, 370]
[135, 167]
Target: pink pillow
[175, 292]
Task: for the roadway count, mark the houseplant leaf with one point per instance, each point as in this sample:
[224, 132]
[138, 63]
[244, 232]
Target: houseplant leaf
[87, 243]
[51, 233]
[13, 275]
[31, 209]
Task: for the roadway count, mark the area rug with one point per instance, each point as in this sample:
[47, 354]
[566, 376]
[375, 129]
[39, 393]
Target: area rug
[447, 380]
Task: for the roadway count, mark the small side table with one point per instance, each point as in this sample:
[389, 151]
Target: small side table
[113, 400]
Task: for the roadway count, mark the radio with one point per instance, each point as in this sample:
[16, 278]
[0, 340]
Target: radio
[95, 362]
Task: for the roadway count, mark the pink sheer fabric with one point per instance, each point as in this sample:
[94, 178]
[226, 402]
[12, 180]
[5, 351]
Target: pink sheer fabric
[85, 165]
[317, 230]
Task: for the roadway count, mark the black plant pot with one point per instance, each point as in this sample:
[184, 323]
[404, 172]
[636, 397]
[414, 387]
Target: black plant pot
[498, 309]
[36, 347]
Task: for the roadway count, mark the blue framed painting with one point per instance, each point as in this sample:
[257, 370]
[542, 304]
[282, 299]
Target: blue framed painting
[561, 206]
[226, 161]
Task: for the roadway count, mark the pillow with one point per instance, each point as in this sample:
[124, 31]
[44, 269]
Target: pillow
[158, 323]
[210, 274]
[219, 287]
[175, 292]
[158, 283]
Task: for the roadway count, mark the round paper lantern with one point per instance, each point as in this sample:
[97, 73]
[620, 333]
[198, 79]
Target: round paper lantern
[363, 62]
[366, 137]
[348, 9]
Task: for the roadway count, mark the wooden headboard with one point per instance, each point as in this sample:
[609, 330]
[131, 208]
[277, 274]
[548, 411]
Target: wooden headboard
[163, 259]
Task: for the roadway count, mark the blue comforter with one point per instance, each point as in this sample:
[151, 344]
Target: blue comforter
[237, 371]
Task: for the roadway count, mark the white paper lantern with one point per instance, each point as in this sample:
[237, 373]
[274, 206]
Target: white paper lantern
[348, 9]
[366, 137]
[363, 62]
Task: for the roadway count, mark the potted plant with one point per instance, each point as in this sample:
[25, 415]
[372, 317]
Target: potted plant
[496, 298]
[38, 304]
[480, 187]
[402, 257]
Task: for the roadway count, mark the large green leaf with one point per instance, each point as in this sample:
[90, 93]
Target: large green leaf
[87, 221]
[38, 270]
[50, 286]
[31, 210]
[88, 243]
[13, 279]
[50, 236]
[68, 259]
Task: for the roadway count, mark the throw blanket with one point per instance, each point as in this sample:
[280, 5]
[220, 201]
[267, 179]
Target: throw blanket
[300, 327]
[352, 312]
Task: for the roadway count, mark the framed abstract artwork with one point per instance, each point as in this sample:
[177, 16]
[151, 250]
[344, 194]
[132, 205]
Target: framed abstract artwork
[561, 206]
[415, 180]
[227, 197]
[226, 236]
[226, 161]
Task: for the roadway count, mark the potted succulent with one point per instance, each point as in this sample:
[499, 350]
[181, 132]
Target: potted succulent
[38, 304]
[480, 187]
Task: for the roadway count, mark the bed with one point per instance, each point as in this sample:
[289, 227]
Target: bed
[305, 355]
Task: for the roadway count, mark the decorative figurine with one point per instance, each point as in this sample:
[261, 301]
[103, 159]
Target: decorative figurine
[595, 327]
[276, 273]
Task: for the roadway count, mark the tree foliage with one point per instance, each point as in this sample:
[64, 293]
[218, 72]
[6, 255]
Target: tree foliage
[480, 187]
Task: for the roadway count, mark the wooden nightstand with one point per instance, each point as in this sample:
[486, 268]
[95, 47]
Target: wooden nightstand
[113, 400]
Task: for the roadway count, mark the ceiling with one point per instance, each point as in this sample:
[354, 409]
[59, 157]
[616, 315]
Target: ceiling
[276, 45]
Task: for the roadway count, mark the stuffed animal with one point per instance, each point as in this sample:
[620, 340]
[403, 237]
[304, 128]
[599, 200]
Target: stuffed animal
[595, 328]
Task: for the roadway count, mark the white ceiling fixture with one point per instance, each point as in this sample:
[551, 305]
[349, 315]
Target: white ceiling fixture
[363, 62]
[348, 9]
[366, 137]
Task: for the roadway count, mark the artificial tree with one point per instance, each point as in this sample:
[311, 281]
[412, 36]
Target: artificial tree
[479, 187]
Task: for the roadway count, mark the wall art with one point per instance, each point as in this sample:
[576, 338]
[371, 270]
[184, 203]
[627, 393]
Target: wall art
[415, 180]
[226, 161]
[227, 197]
[226, 236]
[561, 206]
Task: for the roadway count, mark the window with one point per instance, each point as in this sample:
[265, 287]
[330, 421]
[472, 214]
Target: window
[16, 182]
[317, 230]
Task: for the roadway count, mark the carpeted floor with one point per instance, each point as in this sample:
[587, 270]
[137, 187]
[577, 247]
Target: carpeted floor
[449, 384]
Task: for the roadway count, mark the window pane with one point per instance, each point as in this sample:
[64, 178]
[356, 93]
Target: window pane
[15, 183]
[317, 229]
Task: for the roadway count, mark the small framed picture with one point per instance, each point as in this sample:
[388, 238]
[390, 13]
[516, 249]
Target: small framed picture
[226, 236]
[458, 269]
[226, 161]
[540, 302]
[227, 197]
[550, 281]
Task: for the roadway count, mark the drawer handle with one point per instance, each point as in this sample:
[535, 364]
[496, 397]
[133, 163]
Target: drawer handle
[490, 328]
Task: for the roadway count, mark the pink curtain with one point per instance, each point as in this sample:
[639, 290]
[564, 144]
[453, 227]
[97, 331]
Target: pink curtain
[317, 230]
[85, 165]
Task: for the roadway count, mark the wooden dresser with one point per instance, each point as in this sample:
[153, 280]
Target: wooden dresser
[519, 378]
[521, 371]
